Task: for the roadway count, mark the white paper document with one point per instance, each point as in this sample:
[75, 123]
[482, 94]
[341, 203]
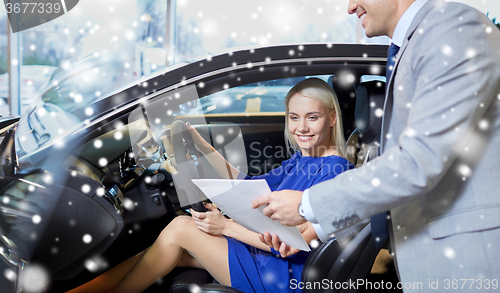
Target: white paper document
[234, 197]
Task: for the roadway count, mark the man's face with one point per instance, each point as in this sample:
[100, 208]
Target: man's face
[378, 17]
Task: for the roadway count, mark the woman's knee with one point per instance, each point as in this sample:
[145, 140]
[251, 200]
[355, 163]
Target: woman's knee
[177, 230]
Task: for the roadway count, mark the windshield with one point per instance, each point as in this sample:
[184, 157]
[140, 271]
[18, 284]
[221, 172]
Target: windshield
[84, 87]
[65, 102]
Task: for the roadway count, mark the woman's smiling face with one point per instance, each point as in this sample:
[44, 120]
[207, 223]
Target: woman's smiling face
[310, 122]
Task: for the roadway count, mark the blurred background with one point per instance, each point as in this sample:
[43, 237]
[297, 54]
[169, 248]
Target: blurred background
[124, 40]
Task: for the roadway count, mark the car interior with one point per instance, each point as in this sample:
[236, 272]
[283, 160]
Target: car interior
[351, 254]
[125, 197]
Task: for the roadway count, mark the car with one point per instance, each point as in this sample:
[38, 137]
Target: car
[82, 183]
[33, 78]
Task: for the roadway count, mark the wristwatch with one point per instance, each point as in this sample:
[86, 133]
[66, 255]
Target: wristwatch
[301, 212]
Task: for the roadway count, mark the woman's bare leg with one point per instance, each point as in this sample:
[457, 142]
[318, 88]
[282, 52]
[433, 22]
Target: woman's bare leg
[108, 280]
[169, 249]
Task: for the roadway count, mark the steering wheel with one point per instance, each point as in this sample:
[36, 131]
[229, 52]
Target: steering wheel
[187, 169]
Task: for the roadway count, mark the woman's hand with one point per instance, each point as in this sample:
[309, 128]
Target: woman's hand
[212, 222]
[201, 144]
[275, 242]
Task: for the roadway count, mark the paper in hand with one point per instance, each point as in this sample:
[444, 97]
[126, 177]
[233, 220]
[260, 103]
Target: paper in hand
[234, 197]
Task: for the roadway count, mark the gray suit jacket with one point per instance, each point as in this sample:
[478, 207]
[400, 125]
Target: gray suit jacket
[439, 172]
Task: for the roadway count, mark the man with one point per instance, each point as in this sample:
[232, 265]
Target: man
[439, 171]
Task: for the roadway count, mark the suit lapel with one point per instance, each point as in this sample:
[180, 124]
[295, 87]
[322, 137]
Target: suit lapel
[390, 84]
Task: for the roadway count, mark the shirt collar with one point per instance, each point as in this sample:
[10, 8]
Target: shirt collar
[405, 22]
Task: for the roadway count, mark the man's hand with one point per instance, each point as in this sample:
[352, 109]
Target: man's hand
[282, 206]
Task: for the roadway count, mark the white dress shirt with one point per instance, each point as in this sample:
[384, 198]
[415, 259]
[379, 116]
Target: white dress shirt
[398, 39]
[405, 21]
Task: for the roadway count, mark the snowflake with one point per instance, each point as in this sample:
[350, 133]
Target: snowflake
[36, 219]
[87, 238]
[410, 132]
[449, 253]
[85, 188]
[195, 289]
[31, 284]
[10, 275]
[103, 162]
[484, 124]
[447, 50]
[464, 170]
[375, 70]
[89, 111]
[128, 203]
[48, 179]
[471, 53]
[314, 243]
[350, 78]
[98, 143]
[219, 139]
[41, 112]
[100, 191]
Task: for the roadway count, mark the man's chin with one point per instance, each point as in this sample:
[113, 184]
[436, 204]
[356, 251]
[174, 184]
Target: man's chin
[370, 34]
[373, 35]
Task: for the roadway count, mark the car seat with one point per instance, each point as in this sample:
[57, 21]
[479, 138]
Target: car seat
[363, 143]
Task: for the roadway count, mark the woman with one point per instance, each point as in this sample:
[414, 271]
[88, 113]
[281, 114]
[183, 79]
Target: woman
[244, 259]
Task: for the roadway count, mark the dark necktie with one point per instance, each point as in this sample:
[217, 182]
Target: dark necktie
[391, 59]
[379, 221]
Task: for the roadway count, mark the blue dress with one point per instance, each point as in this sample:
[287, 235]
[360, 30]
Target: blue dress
[255, 270]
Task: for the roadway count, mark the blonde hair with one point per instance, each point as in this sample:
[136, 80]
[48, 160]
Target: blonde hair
[319, 90]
